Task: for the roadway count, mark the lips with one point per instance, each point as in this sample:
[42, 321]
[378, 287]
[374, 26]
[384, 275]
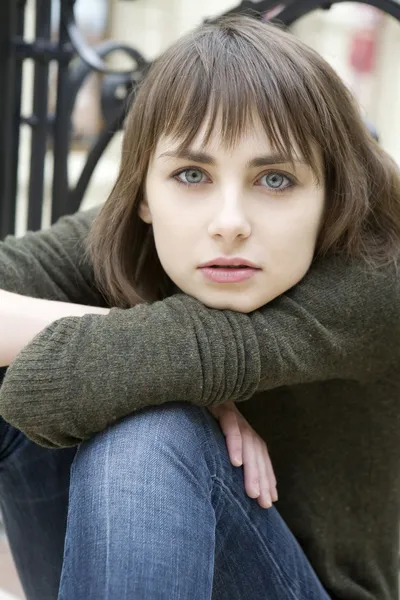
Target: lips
[235, 262]
[229, 270]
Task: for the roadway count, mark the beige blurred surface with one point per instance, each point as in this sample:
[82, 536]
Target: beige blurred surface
[10, 588]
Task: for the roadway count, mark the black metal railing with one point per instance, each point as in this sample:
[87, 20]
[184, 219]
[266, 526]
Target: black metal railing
[76, 60]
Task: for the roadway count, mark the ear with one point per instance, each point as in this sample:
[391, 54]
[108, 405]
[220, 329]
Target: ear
[144, 212]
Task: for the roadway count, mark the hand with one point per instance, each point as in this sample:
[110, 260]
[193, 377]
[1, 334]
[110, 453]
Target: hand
[246, 447]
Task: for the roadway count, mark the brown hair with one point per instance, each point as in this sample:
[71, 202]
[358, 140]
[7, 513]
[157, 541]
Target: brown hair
[233, 68]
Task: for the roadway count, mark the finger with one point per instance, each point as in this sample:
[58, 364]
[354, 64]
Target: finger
[250, 465]
[230, 427]
[214, 410]
[265, 499]
[217, 411]
[271, 474]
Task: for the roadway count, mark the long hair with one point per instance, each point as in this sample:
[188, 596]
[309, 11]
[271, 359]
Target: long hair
[232, 69]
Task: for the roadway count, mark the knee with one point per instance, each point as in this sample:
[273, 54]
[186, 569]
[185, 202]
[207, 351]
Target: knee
[149, 436]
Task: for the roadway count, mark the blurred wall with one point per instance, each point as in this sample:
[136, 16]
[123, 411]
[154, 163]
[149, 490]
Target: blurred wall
[154, 24]
[332, 33]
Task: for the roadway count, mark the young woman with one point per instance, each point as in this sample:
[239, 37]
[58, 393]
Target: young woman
[249, 251]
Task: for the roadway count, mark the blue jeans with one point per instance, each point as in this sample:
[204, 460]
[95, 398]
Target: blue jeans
[156, 511]
[34, 486]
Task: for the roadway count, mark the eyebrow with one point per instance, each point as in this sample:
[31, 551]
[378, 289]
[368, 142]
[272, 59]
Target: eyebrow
[207, 159]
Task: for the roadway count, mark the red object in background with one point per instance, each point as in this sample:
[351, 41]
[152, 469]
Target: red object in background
[363, 51]
[273, 12]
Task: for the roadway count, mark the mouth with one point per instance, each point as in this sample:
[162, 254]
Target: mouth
[228, 273]
[229, 263]
[228, 267]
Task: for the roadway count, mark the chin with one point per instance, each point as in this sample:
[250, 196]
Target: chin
[224, 300]
[236, 306]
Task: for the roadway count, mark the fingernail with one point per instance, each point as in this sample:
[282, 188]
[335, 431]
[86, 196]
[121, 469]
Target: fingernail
[237, 460]
[275, 496]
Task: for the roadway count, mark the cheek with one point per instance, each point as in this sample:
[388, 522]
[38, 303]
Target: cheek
[174, 226]
[173, 242]
[304, 223]
[170, 233]
[295, 236]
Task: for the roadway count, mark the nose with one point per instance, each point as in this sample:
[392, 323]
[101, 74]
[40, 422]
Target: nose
[230, 222]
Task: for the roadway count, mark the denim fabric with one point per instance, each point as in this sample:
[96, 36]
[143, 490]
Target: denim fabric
[34, 484]
[158, 512]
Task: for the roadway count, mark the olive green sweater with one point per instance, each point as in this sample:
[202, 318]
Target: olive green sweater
[316, 373]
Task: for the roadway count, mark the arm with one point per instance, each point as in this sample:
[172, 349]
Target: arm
[81, 374]
[22, 317]
[50, 263]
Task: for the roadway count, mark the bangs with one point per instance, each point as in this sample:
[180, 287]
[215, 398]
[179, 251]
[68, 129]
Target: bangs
[225, 80]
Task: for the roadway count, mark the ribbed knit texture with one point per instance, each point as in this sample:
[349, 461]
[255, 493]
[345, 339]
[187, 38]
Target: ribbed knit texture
[316, 372]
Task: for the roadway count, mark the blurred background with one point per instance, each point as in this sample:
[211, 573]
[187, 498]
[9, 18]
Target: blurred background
[360, 42]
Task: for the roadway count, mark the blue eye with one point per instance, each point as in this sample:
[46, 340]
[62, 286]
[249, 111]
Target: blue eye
[190, 176]
[277, 182]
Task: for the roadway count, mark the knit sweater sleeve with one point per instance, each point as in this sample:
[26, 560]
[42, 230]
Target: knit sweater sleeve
[82, 374]
[51, 263]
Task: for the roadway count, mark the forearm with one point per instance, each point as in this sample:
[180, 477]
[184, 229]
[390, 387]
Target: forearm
[81, 374]
[22, 318]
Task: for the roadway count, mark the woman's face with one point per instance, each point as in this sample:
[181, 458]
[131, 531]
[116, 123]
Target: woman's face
[244, 212]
